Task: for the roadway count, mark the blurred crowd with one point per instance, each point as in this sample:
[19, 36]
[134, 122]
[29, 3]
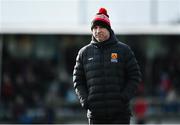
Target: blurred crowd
[33, 90]
[36, 85]
[30, 91]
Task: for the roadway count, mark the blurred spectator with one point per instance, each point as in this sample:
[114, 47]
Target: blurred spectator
[165, 85]
[171, 104]
[71, 96]
[7, 89]
[19, 109]
[141, 89]
[140, 109]
[71, 50]
[52, 98]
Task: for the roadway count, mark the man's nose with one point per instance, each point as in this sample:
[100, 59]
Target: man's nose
[98, 29]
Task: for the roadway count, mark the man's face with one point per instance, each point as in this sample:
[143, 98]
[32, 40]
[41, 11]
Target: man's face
[100, 33]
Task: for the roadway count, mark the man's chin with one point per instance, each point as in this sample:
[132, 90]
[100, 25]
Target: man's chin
[99, 40]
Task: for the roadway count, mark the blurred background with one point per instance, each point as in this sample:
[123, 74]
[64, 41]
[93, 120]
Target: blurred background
[39, 41]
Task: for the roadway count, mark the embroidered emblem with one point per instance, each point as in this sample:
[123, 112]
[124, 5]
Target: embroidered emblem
[114, 57]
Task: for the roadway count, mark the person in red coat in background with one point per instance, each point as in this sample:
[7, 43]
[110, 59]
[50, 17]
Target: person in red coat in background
[140, 110]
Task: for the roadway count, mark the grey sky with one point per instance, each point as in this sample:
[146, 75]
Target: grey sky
[58, 13]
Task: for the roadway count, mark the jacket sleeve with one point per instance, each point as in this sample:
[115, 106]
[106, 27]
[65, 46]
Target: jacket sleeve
[79, 81]
[133, 75]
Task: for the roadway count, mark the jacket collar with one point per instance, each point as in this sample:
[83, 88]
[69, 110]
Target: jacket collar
[112, 40]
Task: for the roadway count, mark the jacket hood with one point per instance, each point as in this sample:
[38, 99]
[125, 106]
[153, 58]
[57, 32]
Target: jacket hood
[112, 40]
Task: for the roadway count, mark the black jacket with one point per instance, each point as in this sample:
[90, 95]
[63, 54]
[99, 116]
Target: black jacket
[105, 77]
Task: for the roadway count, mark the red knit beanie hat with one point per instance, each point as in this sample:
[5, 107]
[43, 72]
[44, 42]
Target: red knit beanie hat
[101, 19]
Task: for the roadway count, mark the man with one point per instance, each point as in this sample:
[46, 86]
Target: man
[106, 75]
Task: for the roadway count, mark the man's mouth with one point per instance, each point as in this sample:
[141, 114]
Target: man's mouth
[99, 35]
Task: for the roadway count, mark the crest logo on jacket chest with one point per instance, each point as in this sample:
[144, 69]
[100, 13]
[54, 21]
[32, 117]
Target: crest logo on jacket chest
[114, 57]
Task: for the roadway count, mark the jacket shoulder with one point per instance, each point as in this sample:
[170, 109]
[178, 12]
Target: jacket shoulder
[123, 45]
[84, 49]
